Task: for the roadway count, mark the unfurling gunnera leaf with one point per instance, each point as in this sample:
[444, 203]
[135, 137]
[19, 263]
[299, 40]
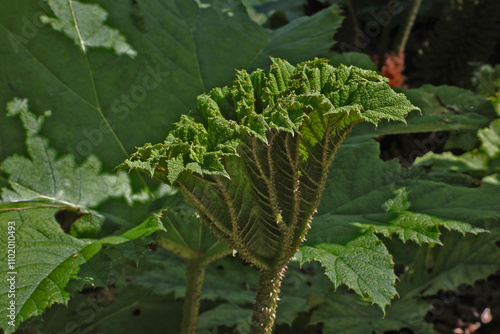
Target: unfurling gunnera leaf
[254, 159]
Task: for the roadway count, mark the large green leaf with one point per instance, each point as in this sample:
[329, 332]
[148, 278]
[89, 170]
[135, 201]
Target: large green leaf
[46, 258]
[47, 253]
[461, 260]
[363, 264]
[417, 227]
[225, 314]
[444, 108]
[285, 41]
[445, 198]
[487, 82]
[226, 279]
[366, 194]
[345, 314]
[304, 288]
[84, 24]
[450, 108]
[106, 103]
[482, 163]
[129, 309]
[185, 234]
[44, 176]
[352, 58]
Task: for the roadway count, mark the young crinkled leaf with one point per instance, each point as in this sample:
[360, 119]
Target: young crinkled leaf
[255, 164]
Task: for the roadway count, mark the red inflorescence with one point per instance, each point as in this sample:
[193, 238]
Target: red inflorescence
[394, 64]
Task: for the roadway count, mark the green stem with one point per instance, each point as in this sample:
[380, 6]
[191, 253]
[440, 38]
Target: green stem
[194, 283]
[404, 32]
[266, 300]
[352, 13]
[384, 41]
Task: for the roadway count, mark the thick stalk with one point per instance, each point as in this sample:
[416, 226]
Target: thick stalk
[384, 41]
[194, 283]
[266, 300]
[404, 31]
[352, 13]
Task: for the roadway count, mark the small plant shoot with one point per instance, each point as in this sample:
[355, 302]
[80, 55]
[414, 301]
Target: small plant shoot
[254, 157]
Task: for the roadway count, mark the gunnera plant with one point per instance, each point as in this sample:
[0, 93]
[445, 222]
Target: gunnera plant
[254, 158]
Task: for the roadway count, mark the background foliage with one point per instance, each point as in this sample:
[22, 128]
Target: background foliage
[84, 82]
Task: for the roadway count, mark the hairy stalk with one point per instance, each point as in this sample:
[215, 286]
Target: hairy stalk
[404, 32]
[265, 305]
[194, 283]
